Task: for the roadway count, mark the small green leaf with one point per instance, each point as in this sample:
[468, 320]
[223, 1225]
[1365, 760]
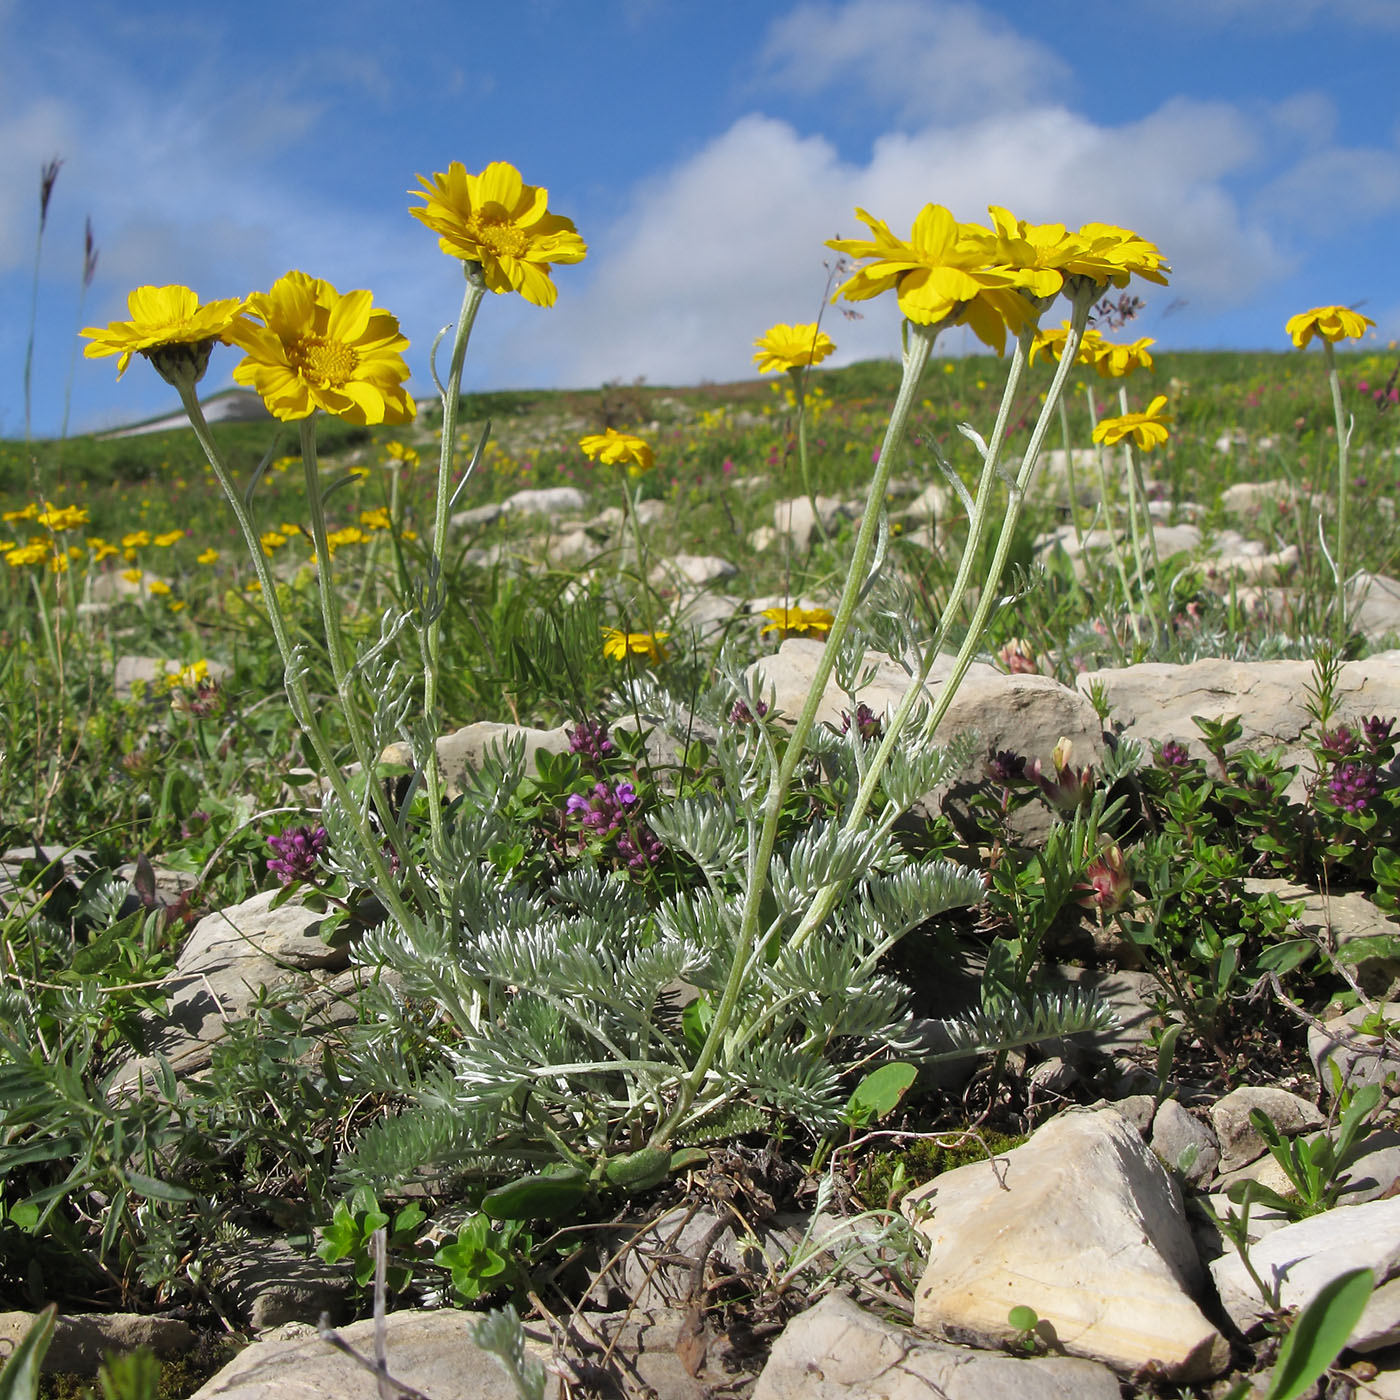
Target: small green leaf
[879, 1093]
[639, 1171]
[1321, 1331]
[695, 1022]
[543, 1196]
[1022, 1318]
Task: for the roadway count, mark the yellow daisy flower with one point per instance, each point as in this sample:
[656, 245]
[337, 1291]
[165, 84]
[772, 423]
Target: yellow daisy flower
[618, 645]
[169, 327]
[497, 221]
[1148, 429]
[168, 538]
[617, 448]
[1332, 323]
[397, 452]
[318, 349]
[136, 539]
[1117, 361]
[1113, 254]
[791, 347]
[159, 588]
[788, 621]
[209, 556]
[271, 541]
[31, 553]
[62, 517]
[133, 575]
[13, 517]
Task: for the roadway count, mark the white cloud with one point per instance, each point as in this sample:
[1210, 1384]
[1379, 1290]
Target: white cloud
[925, 58]
[732, 240]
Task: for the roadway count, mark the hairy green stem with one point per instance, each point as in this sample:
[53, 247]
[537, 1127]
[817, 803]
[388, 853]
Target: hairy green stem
[432, 632]
[1344, 429]
[302, 709]
[916, 352]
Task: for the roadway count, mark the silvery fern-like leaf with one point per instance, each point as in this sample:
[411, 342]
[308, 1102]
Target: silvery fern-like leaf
[889, 905]
[716, 1123]
[1122, 759]
[795, 1083]
[918, 766]
[702, 920]
[501, 1334]
[827, 854]
[1050, 1015]
[705, 828]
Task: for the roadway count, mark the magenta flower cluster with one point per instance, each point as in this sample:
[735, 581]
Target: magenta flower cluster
[602, 812]
[1351, 786]
[297, 853]
[589, 740]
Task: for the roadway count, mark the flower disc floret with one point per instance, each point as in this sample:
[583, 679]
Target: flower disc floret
[318, 349]
[162, 318]
[784, 347]
[503, 225]
[1332, 323]
[619, 449]
[1148, 429]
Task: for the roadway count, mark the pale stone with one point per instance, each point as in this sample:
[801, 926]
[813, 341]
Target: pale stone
[466, 748]
[1373, 605]
[796, 520]
[81, 1340]
[1083, 1225]
[1250, 497]
[431, 1351]
[694, 569]
[1177, 1136]
[1360, 1059]
[478, 515]
[546, 500]
[838, 1351]
[1303, 1257]
[1240, 1143]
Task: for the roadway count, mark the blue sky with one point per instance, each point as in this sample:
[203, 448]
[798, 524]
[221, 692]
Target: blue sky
[704, 152]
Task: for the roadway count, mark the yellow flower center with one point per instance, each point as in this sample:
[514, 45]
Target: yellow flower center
[326, 363]
[502, 238]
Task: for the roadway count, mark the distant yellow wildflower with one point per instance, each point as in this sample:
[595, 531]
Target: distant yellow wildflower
[617, 448]
[618, 645]
[168, 538]
[784, 347]
[62, 517]
[1148, 429]
[796, 620]
[209, 556]
[1332, 323]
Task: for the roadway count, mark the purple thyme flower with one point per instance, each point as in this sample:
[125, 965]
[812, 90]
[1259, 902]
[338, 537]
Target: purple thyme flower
[1377, 732]
[1173, 755]
[1352, 786]
[589, 739]
[1340, 741]
[868, 724]
[1006, 767]
[741, 714]
[297, 852]
[640, 848]
[602, 812]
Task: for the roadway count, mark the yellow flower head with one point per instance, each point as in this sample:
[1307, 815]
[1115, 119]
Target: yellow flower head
[617, 645]
[499, 222]
[616, 448]
[136, 539]
[168, 538]
[13, 517]
[271, 540]
[1332, 323]
[1148, 429]
[376, 519]
[169, 327]
[159, 587]
[209, 556]
[1112, 254]
[318, 349]
[1040, 251]
[1052, 343]
[397, 452]
[944, 272]
[62, 517]
[31, 553]
[792, 347]
[1117, 361]
[796, 620]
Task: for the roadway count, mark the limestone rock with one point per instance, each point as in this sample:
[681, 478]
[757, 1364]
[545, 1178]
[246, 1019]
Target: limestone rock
[1155, 700]
[1362, 1059]
[694, 569]
[1083, 1225]
[466, 748]
[1240, 1144]
[431, 1351]
[796, 520]
[1176, 1135]
[838, 1351]
[1373, 605]
[82, 1340]
[1304, 1256]
[546, 500]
